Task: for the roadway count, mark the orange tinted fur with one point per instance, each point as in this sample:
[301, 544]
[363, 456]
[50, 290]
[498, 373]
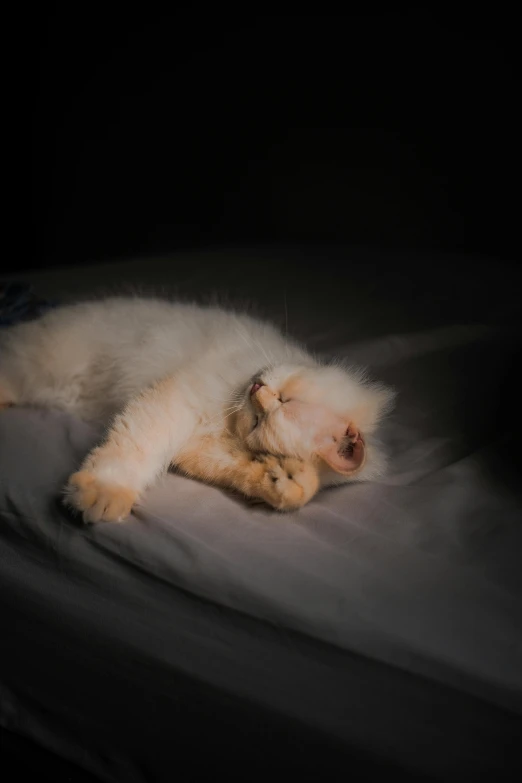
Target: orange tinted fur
[221, 395]
[99, 500]
[283, 482]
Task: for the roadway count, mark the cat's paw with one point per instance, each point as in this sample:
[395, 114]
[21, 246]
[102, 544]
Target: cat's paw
[98, 501]
[288, 483]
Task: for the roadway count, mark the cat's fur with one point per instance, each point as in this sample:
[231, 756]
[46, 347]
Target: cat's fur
[184, 385]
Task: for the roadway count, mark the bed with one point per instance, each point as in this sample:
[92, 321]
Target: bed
[377, 629]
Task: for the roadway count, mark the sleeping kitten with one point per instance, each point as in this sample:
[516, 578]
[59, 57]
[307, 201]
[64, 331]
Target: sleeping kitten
[222, 396]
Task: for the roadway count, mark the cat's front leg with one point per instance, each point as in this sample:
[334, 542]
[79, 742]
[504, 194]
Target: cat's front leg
[99, 500]
[286, 483]
[137, 448]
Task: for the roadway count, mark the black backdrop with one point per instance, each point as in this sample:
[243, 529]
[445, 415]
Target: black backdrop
[155, 131]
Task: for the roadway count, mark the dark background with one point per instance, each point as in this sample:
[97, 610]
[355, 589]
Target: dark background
[156, 131]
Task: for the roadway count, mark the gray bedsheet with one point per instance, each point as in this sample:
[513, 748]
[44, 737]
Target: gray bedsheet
[420, 572]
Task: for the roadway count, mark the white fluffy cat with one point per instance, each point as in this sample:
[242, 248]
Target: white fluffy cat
[220, 395]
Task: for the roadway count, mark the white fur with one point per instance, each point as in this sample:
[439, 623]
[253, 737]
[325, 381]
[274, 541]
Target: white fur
[94, 359]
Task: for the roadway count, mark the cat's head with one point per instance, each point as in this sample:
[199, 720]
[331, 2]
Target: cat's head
[323, 413]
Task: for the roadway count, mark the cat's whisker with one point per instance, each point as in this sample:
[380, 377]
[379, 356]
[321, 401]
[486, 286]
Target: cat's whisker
[221, 422]
[236, 396]
[252, 343]
[246, 340]
[230, 408]
[227, 411]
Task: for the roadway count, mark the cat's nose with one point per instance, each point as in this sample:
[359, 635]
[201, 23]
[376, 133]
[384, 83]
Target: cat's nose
[265, 398]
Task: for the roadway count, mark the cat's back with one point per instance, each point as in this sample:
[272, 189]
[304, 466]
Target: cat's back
[143, 336]
[112, 321]
[92, 357]
[139, 321]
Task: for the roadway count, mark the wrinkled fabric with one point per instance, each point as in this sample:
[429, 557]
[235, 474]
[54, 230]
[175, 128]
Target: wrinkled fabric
[419, 572]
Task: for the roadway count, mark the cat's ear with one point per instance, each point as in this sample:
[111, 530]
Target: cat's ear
[345, 452]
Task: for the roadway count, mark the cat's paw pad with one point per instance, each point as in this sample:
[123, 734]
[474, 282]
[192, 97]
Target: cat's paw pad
[97, 500]
[288, 483]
